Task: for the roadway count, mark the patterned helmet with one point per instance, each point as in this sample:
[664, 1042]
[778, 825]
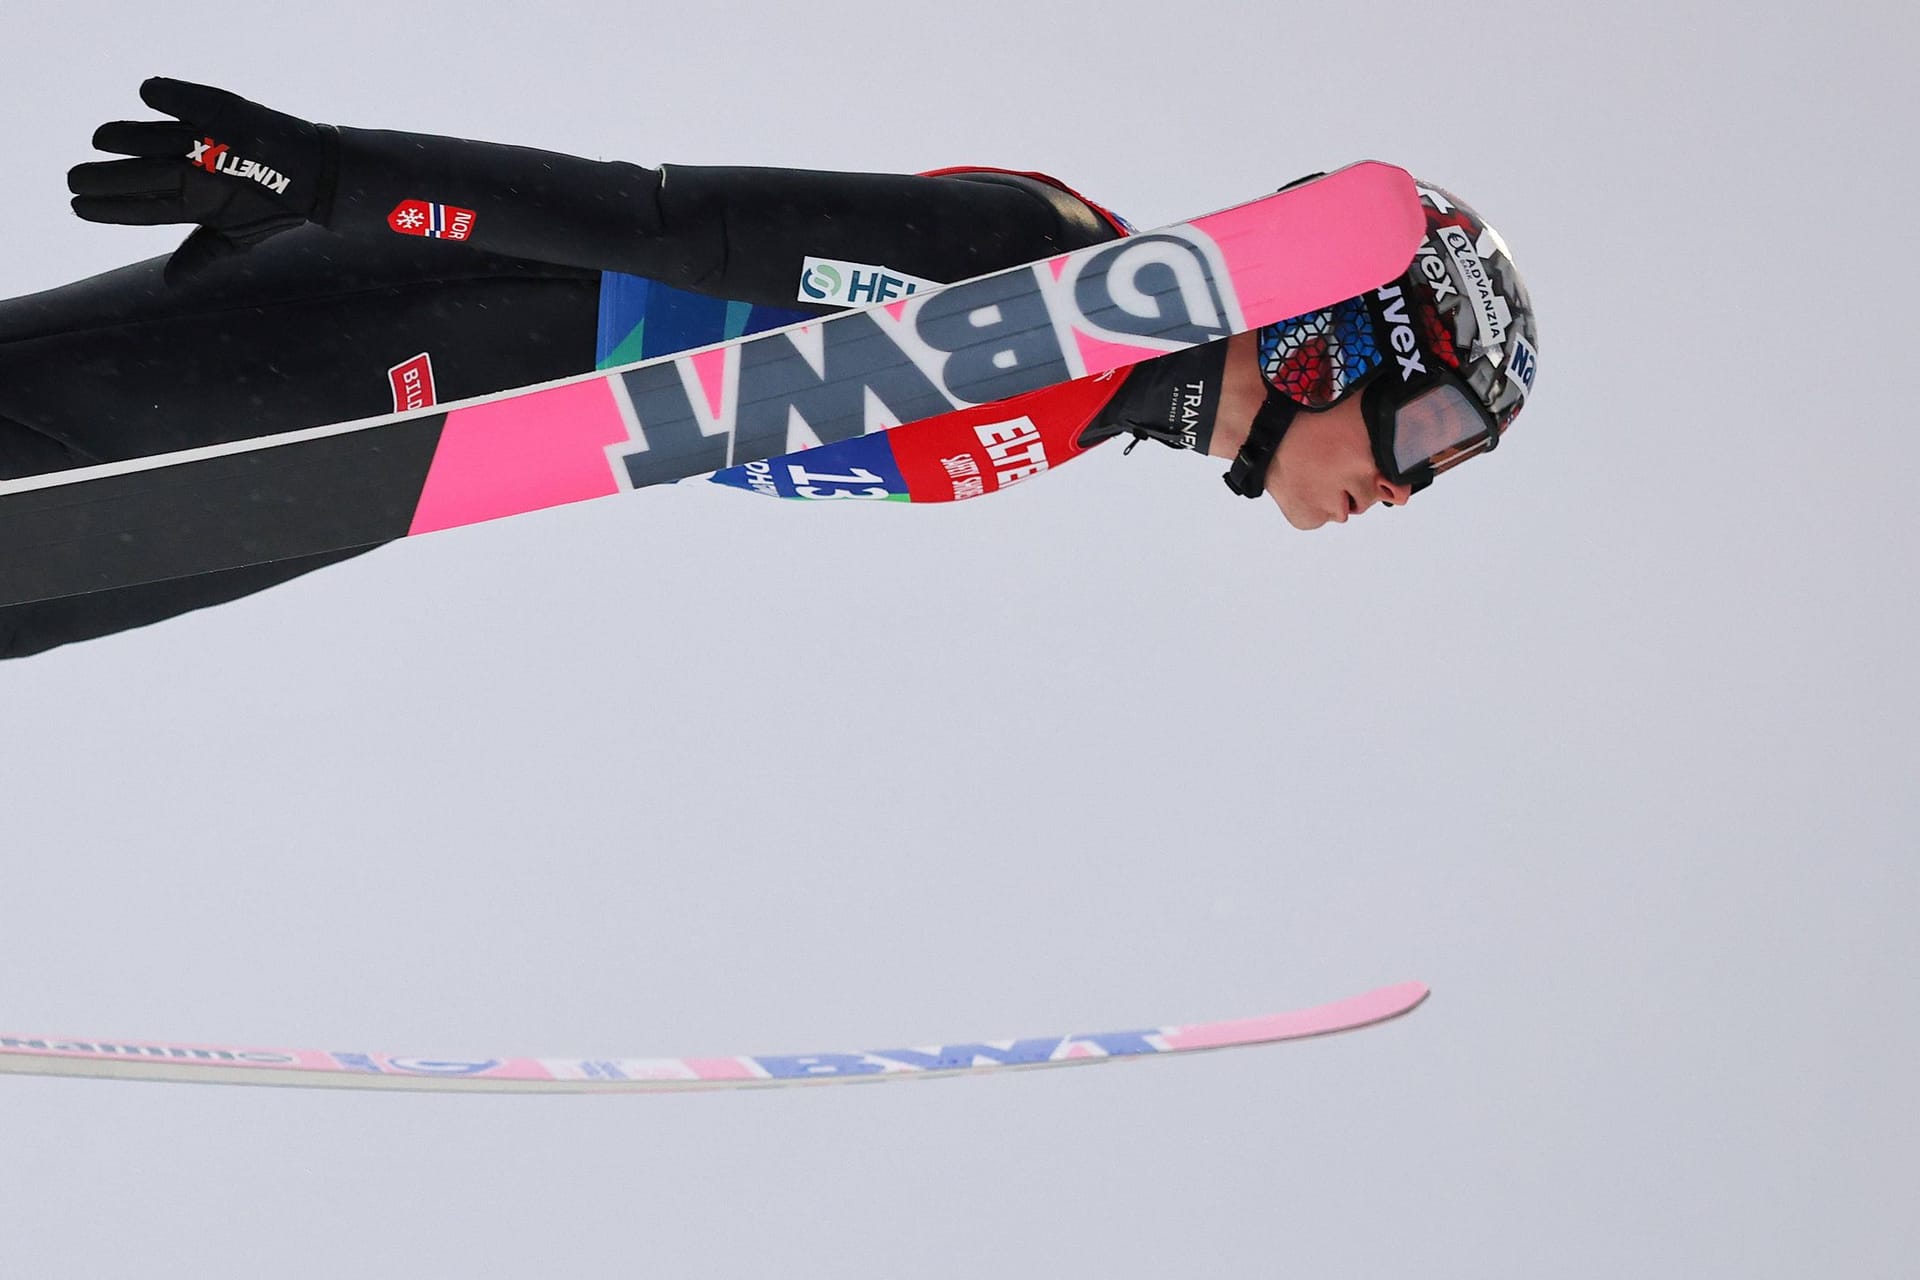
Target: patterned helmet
[1458, 330]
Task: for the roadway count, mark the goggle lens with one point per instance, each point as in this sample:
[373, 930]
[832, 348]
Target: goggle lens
[1436, 428]
[1435, 425]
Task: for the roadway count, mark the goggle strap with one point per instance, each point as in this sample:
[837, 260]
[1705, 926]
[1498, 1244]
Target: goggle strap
[1248, 474]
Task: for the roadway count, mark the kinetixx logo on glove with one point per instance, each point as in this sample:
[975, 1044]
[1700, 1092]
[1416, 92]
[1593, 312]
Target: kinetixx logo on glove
[218, 157]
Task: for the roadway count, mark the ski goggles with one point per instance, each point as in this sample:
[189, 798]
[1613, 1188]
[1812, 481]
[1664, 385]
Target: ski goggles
[1422, 428]
[1416, 429]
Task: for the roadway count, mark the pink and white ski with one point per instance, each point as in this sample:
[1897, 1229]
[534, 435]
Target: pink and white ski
[229, 1064]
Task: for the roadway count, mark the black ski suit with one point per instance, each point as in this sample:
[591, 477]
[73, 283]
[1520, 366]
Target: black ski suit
[303, 329]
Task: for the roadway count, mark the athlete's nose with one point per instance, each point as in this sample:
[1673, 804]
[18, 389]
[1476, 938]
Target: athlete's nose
[1394, 495]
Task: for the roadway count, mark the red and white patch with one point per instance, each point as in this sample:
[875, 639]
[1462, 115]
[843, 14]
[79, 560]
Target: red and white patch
[984, 448]
[412, 383]
[436, 221]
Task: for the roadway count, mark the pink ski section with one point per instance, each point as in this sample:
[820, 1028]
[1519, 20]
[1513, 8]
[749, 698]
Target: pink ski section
[521, 454]
[720, 1069]
[711, 366]
[1342, 1015]
[1099, 356]
[546, 448]
[1321, 213]
[1348, 248]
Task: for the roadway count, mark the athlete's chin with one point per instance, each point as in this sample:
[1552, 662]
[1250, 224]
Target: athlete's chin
[1300, 518]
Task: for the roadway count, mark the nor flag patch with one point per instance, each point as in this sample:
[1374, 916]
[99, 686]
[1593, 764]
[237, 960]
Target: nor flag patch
[436, 221]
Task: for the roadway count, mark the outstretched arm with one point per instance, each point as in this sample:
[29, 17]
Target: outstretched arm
[738, 233]
[244, 172]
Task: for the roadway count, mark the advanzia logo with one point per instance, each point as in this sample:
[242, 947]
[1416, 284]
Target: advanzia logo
[921, 355]
[1491, 313]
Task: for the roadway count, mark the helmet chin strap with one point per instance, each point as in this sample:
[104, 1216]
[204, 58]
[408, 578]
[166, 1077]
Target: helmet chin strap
[1248, 475]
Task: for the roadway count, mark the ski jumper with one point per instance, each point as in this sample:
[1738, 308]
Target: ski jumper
[330, 323]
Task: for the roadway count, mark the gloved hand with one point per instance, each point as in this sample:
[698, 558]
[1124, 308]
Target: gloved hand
[242, 171]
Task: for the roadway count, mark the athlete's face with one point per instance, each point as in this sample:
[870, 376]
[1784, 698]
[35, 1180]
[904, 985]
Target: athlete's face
[1324, 469]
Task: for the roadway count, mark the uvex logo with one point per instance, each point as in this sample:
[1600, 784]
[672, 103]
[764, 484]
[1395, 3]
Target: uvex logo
[218, 157]
[1435, 271]
[1400, 331]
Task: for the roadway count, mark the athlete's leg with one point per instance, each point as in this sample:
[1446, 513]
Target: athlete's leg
[26, 452]
[28, 629]
[299, 333]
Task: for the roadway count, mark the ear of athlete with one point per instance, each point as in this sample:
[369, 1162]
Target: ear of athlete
[241, 171]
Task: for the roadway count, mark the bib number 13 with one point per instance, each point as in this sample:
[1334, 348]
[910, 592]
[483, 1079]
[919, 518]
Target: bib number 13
[836, 484]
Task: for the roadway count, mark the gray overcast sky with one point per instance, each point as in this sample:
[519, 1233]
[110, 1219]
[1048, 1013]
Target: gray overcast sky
[1609, 737]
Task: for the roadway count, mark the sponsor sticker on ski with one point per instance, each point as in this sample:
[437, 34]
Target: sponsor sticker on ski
[832, 282]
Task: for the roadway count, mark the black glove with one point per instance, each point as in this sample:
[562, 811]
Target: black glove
[242, 171]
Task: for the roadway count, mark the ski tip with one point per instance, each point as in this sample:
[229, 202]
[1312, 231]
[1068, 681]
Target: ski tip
[1350, 1014]
[1386, 1003]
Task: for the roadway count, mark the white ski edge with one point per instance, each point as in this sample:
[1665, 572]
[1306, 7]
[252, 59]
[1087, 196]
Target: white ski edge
[218, 1064]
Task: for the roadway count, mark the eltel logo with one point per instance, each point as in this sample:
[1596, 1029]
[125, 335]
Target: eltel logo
[412, 382]
[436, 221]
[217, 157]
[1014, 448]
[834, 283]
